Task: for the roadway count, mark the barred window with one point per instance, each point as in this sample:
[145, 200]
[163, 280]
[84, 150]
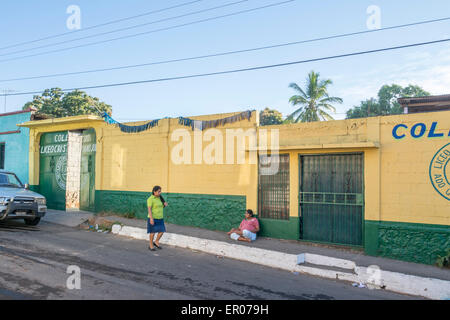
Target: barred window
[273, 190]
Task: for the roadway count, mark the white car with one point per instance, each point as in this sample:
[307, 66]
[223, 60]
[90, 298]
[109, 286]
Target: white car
[17, 202]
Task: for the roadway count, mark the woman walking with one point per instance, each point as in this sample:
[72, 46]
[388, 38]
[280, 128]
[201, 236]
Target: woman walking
[155, 222]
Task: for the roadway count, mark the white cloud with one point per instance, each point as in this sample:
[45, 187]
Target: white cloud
[431, 71]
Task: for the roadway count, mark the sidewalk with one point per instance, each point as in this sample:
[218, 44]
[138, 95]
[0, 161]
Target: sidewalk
[326, 261]
[67, 218]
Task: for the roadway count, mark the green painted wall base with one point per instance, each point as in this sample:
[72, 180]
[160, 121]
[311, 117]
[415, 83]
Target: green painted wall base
[129, 204]
[421, 243]
[280, 229]
[214, 212]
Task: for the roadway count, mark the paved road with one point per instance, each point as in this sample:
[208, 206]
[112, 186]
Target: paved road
[34, 262]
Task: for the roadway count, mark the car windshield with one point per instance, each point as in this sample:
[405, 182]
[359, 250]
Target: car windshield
[9, 180]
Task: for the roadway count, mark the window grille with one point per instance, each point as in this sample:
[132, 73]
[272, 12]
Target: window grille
[273, 191]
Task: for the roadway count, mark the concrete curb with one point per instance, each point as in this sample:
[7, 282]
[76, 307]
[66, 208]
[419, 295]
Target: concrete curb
[372, 276]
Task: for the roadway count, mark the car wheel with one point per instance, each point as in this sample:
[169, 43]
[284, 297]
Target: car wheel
[33, 222]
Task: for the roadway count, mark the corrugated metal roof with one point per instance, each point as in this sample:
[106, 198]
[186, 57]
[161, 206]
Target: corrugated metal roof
[440, 98]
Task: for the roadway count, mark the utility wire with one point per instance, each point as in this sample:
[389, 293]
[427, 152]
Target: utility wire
[223, 53]
[152, 31]
[146, 119]
[241, 70]
[101, 25]
[125, 28]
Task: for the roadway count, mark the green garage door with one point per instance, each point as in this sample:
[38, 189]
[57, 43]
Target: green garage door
[331, 198]
[87, 185]
[53, 168]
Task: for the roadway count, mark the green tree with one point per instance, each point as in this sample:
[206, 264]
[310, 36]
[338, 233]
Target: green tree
[54, 102]
[387, 102]
[314, 102]
[269, 117]
[367, 108]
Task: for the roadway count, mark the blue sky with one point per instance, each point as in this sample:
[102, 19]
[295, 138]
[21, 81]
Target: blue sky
[355, 78]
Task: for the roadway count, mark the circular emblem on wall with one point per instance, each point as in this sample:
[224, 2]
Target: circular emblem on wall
[440, 171]
[61, 171]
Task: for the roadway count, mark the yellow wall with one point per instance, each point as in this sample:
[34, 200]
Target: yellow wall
[344, 136]
[396, 172]
[407, 194]
[138, 161]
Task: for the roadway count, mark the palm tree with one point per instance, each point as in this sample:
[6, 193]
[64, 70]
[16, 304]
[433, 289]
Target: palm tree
[315, 102]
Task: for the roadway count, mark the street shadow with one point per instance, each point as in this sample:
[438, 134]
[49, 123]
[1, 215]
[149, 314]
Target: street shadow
[14, 226]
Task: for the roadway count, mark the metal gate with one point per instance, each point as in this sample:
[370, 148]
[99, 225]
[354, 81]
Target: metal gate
[53, 169]
[87, 179]
[331, 198]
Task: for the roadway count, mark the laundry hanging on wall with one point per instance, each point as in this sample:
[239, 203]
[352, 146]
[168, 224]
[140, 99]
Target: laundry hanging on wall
[202, 125]
[130, 129]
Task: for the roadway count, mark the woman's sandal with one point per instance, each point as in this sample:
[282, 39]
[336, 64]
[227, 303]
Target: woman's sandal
[156, 245]
[151, 249]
